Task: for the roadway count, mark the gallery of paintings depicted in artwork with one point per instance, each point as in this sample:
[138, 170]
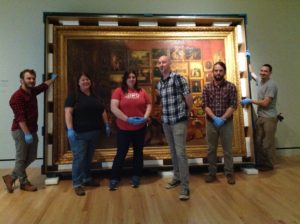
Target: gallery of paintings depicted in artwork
[193, 59]
[186, 61]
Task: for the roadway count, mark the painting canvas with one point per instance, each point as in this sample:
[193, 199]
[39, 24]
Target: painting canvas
[105, 54]
[196, 70]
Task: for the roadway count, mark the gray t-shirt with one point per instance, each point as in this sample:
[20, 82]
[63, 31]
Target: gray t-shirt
[269, 88]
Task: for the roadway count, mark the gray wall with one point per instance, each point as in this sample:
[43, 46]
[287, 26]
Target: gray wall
[273, 30]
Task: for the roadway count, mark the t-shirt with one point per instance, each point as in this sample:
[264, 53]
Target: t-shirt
[267, 89]
[133, 103]
[87, 113]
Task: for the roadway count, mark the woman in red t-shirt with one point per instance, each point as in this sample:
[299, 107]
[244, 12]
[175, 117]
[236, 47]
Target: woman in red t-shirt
[132, 107]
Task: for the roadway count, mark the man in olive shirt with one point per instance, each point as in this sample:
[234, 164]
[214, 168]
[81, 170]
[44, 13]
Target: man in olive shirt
[266, 122]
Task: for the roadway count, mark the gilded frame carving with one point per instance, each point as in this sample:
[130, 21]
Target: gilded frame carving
[64, 35]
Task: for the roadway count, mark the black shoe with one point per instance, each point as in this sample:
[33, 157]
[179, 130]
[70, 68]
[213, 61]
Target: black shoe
[172, 184]
[210, 178]
[184, 195]
[135, 181]
[265, 168]
[113, 185]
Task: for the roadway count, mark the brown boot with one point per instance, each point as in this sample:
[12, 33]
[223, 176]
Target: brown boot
[79, 191]
[9, 182]
[28, 187]
[230, 178]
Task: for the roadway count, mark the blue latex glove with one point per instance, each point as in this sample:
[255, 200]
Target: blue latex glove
[53, 76]
[248, 54]
[245, 101]
[131, 120]
[71, 134]
[28, 138]
[140, 120]
[136, 120]
[107, 130]
[218, 122]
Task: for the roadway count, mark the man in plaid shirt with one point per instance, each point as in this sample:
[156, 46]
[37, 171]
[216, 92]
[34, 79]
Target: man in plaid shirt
[176, 102]
[219, 103]
[24, 127]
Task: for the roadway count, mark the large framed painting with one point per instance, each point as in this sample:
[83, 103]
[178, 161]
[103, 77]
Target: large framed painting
[106, 52]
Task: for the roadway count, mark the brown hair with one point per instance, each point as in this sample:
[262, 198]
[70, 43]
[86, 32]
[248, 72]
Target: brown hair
[222, 64]
[31, 71]
[124, 86]
[269, 66]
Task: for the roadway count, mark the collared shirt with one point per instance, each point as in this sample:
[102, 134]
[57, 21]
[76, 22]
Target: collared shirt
[24, 106]
[172, 91]
[219, 97]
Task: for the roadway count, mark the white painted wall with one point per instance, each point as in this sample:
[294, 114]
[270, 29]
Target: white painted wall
[273, 32]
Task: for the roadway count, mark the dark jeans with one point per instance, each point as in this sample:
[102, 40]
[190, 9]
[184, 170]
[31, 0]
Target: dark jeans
[124, 139]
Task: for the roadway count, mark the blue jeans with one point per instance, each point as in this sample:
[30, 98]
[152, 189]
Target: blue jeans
[83, 149]
[124, 139]
[176, 138]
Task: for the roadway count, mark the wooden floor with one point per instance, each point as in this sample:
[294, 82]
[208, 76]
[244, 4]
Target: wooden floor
[270, 197]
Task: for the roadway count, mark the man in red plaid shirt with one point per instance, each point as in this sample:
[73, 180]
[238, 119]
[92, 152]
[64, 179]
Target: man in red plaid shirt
[219, 103]
[24, 127]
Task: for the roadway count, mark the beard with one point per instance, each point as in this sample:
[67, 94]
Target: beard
[218, 78]
[29, 85]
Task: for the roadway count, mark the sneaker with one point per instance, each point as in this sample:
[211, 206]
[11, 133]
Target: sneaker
[28, 187]
[210, 178]
[230, 178]
[79, 191]
[184, 195]
[135, 181]
[172, 184]
[113, 185]
[9, 182]
[91, 183]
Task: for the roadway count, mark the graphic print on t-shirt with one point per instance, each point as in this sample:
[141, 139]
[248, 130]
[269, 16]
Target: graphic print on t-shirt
[132, 96]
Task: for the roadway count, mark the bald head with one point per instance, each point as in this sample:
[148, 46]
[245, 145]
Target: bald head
[164, 58]
[164, 64]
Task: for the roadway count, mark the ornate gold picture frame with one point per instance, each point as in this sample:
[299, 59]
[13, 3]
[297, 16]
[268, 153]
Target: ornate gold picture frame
[106, 52]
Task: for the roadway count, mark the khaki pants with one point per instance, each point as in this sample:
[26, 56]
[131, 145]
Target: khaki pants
[225, 133]
[265, 141]
[176, 138]
[25, 154]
